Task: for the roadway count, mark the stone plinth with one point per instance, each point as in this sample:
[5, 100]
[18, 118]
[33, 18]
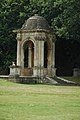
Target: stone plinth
[76, 72]
[14, 70]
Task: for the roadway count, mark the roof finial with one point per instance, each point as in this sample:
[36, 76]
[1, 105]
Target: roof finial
[35, 14]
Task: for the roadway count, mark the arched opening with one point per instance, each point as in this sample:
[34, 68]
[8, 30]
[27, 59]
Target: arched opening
[26, 57]
[28, 54]
[45, 55]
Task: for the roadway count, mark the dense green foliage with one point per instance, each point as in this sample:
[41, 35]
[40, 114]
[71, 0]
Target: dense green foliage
[38, 102]
[67, 23]
[62, 15]
[10, 19]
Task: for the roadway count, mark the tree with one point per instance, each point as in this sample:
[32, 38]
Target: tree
[67, 23]
[10, 19]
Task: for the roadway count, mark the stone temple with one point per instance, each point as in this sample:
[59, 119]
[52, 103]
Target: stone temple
[35, 49]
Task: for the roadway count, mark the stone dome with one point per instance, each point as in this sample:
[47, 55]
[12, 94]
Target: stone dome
[35, 23]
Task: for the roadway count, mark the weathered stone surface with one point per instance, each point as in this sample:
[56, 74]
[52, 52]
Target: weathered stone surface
[76, 72]
[36, 22]
[36, 48]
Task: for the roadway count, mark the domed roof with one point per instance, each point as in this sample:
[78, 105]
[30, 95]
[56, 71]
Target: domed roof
[36, 22]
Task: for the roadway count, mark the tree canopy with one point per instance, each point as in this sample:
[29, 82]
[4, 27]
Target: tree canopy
[67, 23]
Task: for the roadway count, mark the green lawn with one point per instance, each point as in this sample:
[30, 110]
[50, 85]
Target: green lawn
[38, 102]
[74, 79]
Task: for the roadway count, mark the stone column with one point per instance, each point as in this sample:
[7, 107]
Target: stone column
[29, 58]
[42, 54]
[22, 57]
[18, 53]
[36, 59]
[35, 56]
[41, 57]
[39, 53]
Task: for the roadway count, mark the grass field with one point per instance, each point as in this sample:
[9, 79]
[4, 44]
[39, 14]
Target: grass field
[74, 79]
[38, 102]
